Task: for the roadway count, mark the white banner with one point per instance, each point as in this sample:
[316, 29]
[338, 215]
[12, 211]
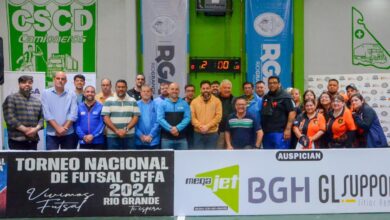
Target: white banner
[374, 87]
[12, 86]
[282, 182]
[164, 35]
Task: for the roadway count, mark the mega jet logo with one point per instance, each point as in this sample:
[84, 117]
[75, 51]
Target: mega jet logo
[224, 183]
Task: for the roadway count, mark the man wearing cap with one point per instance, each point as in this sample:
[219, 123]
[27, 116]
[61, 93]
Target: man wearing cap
[24, 116]
[351, 89]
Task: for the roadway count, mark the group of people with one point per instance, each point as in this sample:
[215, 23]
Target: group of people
[134, 119]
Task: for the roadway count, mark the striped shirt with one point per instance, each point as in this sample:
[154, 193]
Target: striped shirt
[243, 131]
[120, 111]
[20, 110]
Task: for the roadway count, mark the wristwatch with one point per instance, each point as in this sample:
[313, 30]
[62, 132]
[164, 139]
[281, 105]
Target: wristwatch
[126, 129]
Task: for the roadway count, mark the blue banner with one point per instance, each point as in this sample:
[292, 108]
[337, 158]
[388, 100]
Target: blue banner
[269, 40]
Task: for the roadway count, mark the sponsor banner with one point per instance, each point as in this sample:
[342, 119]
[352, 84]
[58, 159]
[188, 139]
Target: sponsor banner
[90, 80]
[375, 88]
[91, 183]
[12, 87]
[52, 36]
[269, 40]
[164, 36]
[3, 185]
[281, 182]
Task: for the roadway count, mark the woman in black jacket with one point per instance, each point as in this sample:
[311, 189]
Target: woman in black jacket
[370, 132]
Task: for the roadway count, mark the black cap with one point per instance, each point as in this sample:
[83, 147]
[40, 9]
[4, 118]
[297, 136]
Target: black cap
[352, 86]
[25, 78]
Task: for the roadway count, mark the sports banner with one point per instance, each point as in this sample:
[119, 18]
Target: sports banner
[282, 182]
[52, 36]
[164, 37]
[12, 87]
[90, 183]
[269, 40]
[375, 88]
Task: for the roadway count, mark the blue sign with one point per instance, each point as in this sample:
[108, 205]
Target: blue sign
[269, 40]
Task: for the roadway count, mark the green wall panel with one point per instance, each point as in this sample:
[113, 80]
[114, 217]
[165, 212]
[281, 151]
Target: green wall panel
[217, 36]
[298, 54]
[224, 36]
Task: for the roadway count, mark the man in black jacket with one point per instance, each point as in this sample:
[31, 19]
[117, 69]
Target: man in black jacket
[135, 92]
[277, 116]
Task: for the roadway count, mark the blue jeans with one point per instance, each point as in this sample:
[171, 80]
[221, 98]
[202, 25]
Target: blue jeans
[147, 147]
[67, 142]
[205, 141]
[180, 144]
[275, 140]
[116, 143]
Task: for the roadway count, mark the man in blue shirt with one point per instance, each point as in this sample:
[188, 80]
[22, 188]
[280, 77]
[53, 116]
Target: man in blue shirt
[173, 114]
[90, 124]
[163, 93]
[60, 112]
[147, 129]
[254, 102]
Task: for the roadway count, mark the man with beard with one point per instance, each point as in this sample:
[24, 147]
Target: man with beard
[173, 114]
[277, 116]
[79, 83]
[163, 93]
[260, 89]
[333, 89]
[189, 91]
[206, 111]
[24, 116]
[60, 111]
[215, 88]
[136, 91]
[253, 101]
[90, 124]
[120, 115]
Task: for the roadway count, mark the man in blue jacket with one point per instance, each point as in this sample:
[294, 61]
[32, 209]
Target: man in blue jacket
[147, 129]
[89, 124]
[173, 114]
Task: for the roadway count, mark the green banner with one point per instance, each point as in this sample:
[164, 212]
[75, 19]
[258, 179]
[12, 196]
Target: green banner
[52, 36]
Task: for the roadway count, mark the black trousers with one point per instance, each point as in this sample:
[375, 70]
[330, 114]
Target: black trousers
[22, 145]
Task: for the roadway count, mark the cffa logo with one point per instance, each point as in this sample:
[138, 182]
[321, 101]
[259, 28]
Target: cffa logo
[224, 183]
[43, 20]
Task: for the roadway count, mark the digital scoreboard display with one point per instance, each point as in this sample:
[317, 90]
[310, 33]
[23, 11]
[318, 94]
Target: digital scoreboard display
[215, 65]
